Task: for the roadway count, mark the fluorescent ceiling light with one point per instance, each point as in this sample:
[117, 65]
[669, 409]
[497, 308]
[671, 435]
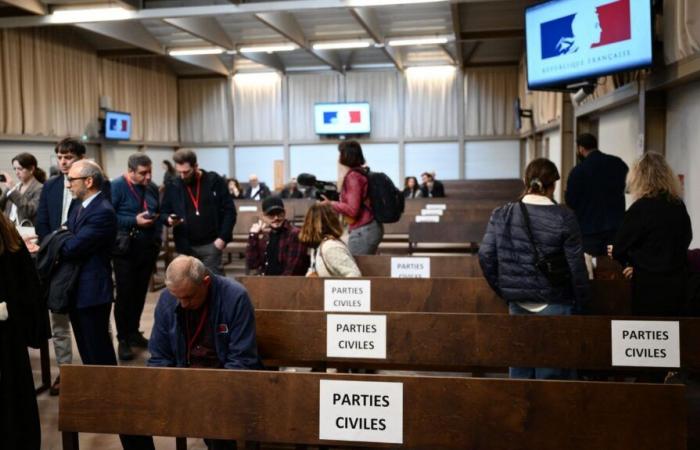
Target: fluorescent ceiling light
[335, 45]
[417, 41]
[196, 51]
[268, 48]
[96, 14]
[307, 68]
[389, 2]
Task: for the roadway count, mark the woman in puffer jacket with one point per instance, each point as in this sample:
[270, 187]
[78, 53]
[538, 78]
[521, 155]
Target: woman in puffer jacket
[508, 257]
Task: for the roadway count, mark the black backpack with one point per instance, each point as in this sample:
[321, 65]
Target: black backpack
[387, 201]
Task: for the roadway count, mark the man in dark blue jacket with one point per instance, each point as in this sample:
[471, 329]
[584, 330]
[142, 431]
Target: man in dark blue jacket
[93, 224]
[201, 320]
[136, 201]
[596, 192]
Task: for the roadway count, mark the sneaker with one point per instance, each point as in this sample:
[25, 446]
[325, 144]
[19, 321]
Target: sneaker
[137, 340]
[124, 351]
[54, 390]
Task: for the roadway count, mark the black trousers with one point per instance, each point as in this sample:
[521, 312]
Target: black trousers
[91, 329]
[132, 273]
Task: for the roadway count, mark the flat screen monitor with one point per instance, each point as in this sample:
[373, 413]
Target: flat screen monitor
[570, 41]
[117, 125]
[341, 118]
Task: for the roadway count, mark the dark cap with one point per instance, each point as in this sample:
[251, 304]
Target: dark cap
[271, 204]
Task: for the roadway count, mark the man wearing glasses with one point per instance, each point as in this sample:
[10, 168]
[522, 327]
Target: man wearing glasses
[273, 243]
[136, 201]
[199, 208]
[55, 202]
[93, 225]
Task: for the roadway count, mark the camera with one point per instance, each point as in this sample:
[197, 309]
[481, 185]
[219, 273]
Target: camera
[320, 188]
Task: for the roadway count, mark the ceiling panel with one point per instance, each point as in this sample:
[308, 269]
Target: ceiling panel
[246, 29]
[329, 24]
[173, 37]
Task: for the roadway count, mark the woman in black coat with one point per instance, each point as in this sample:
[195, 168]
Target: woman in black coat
[653, 241]
[21, 324]
[508, 256]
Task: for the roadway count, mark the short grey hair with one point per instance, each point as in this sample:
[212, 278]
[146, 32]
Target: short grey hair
[91, 169]
[185, 268]
[138, 159]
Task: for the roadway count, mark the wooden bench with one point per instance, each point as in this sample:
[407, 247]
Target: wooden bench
[448, 295]
[440, 266]
[446, 236]
[438, 412]
[459, 342]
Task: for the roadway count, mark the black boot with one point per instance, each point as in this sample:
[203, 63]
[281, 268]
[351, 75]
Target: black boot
[124, 351]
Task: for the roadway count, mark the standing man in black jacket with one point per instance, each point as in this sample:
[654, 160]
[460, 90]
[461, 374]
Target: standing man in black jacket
[200, 209]
[596, 192]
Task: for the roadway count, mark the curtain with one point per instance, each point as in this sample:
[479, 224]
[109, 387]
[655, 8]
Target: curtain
[257, 107]
[431, 103]
[146, 88]
[204, 115]
[10, 76]
[304, 91]
[545, 106]
[381, 90]
[489, 95]
[681, 29]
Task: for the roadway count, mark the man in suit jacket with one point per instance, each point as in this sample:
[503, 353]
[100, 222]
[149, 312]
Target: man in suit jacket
[93, 223]
[595, 191]
[256, 190]
[431, 187]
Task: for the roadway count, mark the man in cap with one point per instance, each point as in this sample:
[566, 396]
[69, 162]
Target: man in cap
[273, 243]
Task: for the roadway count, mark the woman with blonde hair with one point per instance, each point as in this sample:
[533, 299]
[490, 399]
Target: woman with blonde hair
[330, 257]
[653, 240]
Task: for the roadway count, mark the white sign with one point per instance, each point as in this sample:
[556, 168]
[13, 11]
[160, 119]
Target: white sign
[356, 336]
[432, 219]
[347, 295]
[360, 411]
[410, 267]
[645, 343]
[436, 206]
[251, 208]
[431, 212]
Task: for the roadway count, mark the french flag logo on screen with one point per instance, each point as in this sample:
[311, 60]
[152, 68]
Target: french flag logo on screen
[588, 27]
[118, 125]
[331, 117]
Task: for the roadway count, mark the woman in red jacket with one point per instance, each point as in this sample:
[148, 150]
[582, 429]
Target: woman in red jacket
[365, 232]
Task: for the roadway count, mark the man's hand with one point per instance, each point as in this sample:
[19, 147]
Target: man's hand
[610, 251]
[142, 222]
[259, 227]
[219, 244]
[628, 272]
[173, 222]
[8, 180]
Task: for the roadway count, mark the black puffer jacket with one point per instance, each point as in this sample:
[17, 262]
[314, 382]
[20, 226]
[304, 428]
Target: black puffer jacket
[508, 261]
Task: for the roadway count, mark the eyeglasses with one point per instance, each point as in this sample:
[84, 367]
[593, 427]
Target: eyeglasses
[70, 180]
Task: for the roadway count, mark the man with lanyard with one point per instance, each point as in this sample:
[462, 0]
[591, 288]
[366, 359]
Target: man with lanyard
[201, 321]
[200, 210]
[136, 202]
[273, 243]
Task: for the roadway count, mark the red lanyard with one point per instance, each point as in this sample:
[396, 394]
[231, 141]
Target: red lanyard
[200, 326]
[195, 201]
[136, 196]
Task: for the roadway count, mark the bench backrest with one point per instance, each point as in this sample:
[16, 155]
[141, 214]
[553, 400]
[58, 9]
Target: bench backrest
[448, 295]
[438, 412]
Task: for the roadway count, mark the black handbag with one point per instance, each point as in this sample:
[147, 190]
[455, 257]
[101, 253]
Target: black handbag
[122, 243]
[554, 266]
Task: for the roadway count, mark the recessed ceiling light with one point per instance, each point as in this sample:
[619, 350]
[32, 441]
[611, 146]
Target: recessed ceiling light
[417, 41]
[196, 51]
[336, 45]
[268, 48]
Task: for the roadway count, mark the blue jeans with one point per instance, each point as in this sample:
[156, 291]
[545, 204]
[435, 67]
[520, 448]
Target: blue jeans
[365, 239]
[541, 373]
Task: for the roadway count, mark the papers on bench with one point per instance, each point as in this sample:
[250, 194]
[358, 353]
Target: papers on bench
[410, 267]
[431, 212]
[248, 208]
[356, 336]
[436, 206]
[360, 411]
[433, 219]
[645, 343]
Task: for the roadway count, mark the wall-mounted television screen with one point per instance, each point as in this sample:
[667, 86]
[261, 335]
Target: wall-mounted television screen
[569, 41]
[117, 125]
[341, 118]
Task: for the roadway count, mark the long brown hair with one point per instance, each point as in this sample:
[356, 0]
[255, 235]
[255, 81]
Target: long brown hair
[651, 176]
[9, 237]
[320, 222]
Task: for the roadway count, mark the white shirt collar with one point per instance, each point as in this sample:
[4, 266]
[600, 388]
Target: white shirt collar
[532, 199]
[89, 200]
